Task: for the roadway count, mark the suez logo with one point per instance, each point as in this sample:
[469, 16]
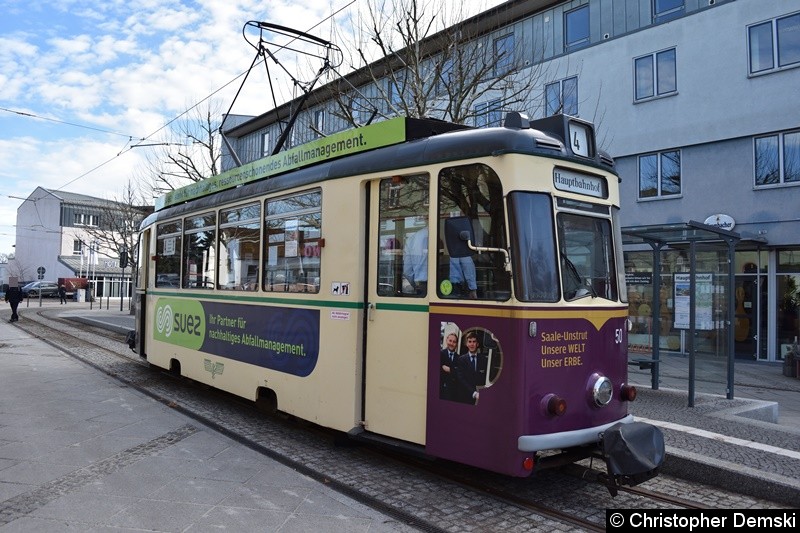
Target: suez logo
[167, 322]
[180, 322]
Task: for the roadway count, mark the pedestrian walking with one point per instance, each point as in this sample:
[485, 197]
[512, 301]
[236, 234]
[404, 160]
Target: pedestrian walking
[13, 297]
[62, 294]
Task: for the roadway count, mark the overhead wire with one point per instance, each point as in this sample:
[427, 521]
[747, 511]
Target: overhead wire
[130, 145]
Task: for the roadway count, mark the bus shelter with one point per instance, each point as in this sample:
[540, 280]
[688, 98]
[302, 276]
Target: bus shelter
[688, 237]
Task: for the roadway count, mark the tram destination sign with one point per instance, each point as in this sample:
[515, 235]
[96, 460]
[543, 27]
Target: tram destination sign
[578, 182]
[344, 143]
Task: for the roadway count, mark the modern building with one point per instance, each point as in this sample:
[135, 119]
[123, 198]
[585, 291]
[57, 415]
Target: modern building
[697, 101]
[68, 235]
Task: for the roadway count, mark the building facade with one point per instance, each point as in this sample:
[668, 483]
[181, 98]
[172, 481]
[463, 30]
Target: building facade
[697, 102]
[71, 235]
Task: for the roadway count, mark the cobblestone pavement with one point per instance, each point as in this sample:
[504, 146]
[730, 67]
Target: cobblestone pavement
[393, 485]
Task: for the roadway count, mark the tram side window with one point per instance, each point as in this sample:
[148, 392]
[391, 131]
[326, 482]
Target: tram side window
[403, 236]
[199, 251]
[471, 201]
[239, 247]
[292, 229]
[168, 254]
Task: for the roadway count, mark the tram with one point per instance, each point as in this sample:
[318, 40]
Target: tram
[451, 290]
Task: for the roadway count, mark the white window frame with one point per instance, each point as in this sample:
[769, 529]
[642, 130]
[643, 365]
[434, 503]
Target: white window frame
[562, 100]
[775, 46]
[656, 74]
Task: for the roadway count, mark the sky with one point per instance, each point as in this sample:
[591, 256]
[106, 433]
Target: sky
[81, 81]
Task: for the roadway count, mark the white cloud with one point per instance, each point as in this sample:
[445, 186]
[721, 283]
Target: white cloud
[124, 67]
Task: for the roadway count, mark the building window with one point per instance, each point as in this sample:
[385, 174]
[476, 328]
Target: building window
[779, 37]
[83, 219]
[664, 10]
[265, 147]
[77, 247]
[488, 114]
[562, 97]
[395, 94]
[777, 159]
[504, 55]
[447, 76]
[656, 75]
[360, 110]
[576, 28]
[319, 123]
[660, 174]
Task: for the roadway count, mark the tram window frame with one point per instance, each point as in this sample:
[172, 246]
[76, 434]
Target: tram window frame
[200, 238]
[242, 225]
[403, 240]
[301, 229]
[476, 192]
[168, 254]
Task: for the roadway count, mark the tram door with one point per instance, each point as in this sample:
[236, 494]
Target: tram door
[140, 290]
[397, 307]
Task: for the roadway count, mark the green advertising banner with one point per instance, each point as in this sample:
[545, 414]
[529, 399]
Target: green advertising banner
[348, 142]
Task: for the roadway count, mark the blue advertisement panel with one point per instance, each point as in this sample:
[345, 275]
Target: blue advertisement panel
[280, 338]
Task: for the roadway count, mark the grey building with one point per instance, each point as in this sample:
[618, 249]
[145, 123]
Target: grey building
[71, 235]
[697, 100]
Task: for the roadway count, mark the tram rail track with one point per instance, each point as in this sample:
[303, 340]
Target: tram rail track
[414, 492]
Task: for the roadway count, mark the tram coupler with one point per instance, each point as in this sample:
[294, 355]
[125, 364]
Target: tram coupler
[633, 453]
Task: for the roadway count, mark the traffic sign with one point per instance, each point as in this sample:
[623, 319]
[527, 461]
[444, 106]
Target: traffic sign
[41, 271]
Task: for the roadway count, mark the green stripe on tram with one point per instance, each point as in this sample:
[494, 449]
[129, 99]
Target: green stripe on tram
[414, 308]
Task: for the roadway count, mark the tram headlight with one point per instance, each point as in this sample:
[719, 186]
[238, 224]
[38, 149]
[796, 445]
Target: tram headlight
[602, 390]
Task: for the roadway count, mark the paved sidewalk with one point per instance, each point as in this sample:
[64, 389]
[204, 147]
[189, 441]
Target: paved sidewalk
[80, 452]
[751, 443]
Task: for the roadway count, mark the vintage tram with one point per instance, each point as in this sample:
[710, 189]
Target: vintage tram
[453, 290]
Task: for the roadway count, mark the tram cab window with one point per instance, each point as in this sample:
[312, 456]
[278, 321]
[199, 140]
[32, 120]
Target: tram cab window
[168, 254]
[587, 257]
[473, 195]
[403, 236]
[199, 251]
[292, 232]
[534, 247]
[239, 247]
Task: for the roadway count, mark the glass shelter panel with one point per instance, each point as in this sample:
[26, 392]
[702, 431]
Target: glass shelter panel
[787, 300]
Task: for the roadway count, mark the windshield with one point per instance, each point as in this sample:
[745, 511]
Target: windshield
[586, 257]
[573, 253]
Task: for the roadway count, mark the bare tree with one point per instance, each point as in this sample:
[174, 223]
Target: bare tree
[190, 152]
[118, 228]
[434, 64]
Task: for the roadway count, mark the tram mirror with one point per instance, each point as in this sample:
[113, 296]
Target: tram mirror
[457, 231]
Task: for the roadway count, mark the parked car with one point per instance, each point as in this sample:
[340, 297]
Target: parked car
[48, 289]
